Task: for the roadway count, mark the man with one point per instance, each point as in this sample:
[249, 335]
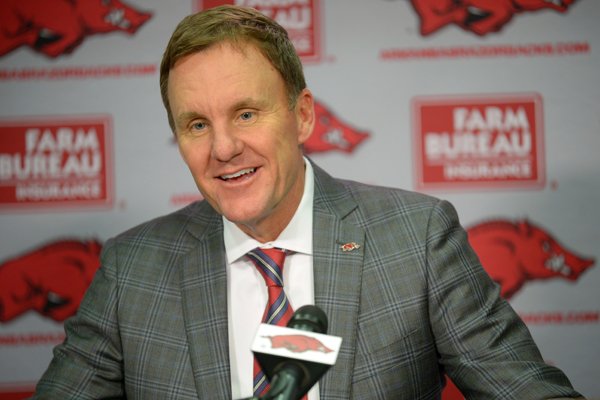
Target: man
[173, 308]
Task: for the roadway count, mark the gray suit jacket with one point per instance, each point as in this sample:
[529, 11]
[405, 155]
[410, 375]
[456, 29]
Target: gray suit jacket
[411, 304]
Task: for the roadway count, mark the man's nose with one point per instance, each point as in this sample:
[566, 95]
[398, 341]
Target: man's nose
[226, 145]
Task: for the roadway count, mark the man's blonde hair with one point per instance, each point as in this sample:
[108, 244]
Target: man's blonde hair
[239, 26]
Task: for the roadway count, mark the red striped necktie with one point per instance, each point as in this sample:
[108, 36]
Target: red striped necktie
[278, 311]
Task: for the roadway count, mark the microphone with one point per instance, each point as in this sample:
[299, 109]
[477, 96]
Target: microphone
[295, 357]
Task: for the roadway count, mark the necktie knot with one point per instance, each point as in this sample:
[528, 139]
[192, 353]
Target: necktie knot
[269, 263]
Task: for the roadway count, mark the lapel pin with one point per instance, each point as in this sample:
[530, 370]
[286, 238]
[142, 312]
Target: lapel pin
[350, 246]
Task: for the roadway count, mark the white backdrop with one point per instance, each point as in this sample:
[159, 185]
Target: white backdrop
[86, 150]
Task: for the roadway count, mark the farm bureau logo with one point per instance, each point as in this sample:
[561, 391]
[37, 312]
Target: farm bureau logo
[478, 16]
[55, 162]
[478, 141]
[513, 253]
[300, 18]
[50, 280]
[55, 27]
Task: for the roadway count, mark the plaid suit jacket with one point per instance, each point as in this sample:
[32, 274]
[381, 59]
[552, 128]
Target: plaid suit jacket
[412, 304]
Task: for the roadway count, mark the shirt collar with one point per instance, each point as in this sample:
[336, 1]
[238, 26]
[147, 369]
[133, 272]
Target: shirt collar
[296, 237]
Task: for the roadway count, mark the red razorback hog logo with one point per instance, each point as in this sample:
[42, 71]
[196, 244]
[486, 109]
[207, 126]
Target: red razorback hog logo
[331, 133]
[55, 27]
[478, 16]
[513, 253]
[50, 280]
[298, 343]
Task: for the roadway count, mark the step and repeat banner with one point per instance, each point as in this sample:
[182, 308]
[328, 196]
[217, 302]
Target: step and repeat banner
[494, 106]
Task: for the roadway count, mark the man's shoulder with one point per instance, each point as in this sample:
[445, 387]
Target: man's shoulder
[195, 217]
[328, 186]
[376, 199]
[341, 196]
[364, 191]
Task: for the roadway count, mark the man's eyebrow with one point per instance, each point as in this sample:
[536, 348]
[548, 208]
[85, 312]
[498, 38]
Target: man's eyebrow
[186, 116]
[248, 102]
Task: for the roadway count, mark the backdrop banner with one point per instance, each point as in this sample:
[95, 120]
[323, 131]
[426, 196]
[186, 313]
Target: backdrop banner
[495, 108]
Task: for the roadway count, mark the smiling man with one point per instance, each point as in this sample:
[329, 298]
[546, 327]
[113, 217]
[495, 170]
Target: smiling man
[175, 305]
[239, 135]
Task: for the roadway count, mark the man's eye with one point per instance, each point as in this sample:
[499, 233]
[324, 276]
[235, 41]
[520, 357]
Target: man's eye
[246, 115]
[198, 126]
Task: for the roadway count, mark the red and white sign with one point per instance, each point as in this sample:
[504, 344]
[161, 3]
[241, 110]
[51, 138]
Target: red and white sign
[479, 141]
[56, 162]
[300, 18]
[297, 344]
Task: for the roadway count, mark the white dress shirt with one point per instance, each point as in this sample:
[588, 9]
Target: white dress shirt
[247, 292]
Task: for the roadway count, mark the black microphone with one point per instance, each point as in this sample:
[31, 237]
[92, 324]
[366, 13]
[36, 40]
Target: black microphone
[296, 357]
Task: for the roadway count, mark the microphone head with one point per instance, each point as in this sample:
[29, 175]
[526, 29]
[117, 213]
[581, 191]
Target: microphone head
[309, 318]
[296, 357]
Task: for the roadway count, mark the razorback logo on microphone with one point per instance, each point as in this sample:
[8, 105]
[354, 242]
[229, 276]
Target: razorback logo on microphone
[280, 341]
[483, 141]
[56, 162]
[298, 343]
[478, 16]
[300, 18]
[515, 252]
[55, 27]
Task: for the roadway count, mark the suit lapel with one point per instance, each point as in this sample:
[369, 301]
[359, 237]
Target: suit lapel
[204, 298]
[337, 275]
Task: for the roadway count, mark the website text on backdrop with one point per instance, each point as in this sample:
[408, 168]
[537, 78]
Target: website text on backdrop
[174, 306]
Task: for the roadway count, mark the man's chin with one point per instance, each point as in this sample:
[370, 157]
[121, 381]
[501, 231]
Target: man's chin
[250, 223]
[240, 218]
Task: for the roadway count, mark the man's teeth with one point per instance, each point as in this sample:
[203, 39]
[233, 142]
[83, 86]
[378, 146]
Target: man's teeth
[238, 174]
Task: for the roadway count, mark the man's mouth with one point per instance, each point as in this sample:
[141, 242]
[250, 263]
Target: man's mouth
[238, 174]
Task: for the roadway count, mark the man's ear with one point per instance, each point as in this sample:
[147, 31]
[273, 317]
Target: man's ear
[305, 115]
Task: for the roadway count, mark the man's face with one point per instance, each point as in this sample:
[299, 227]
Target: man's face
[238, 136]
